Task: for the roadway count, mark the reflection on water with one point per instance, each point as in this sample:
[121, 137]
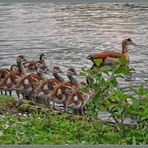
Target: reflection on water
[68, 33]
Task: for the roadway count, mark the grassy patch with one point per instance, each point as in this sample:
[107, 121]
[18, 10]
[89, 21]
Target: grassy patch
[51, 128]
[46, 126]
[42, 129]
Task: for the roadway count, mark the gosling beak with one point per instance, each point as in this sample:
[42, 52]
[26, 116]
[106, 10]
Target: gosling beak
[48, 71]
[24, 61]
[76, 74]
[60, 71]
[44, 69]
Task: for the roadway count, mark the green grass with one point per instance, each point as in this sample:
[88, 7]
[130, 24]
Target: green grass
[40, 129]
[51, 128]
[54, 128]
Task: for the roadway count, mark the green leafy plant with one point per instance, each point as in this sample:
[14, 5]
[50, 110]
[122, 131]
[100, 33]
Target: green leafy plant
[121, 105]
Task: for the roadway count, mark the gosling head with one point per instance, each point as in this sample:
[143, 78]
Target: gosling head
[20, 59]
[71, 71]
[42, 57]
[40, 68]
[56, 69]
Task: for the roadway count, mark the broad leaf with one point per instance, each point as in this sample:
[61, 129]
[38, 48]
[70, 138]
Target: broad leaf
[97, 62]
[122, 60]
[105, 69]
[122, 70]
[82, 74]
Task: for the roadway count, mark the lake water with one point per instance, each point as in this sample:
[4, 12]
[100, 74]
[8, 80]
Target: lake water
[68, 33]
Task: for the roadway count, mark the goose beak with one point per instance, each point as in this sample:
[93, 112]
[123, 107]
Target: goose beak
[134, 44]
[89, 57]
[138, 45]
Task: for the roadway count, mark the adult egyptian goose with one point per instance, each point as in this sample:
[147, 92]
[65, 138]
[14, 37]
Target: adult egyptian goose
[111, 57]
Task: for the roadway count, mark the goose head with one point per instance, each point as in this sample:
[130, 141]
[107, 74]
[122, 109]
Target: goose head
[125, 43]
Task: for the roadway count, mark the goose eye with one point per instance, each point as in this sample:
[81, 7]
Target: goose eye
[129, 40]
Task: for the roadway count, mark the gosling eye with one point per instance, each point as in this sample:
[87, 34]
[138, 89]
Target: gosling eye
[39, 70]
[56, 71]
[38, 64]
[19, 59]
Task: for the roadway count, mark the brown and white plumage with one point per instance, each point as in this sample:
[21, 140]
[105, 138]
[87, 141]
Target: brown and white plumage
[73, 83]
[60, 94]
[44, 90]
[76, 101]
[12, 77]
[46, 87]
[29, 82]
[30, 65]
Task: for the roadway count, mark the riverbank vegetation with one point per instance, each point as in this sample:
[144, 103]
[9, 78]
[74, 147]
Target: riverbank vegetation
[29, 123]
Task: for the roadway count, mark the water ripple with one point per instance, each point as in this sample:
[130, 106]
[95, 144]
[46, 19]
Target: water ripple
[68, 33]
